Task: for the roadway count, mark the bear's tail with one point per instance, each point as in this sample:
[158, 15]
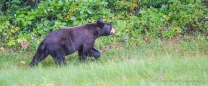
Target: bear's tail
[40, 55]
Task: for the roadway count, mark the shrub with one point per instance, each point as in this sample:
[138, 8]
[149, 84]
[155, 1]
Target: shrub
[23, 23]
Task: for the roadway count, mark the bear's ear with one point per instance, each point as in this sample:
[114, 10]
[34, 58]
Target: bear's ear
[100, 22]
[100, 19]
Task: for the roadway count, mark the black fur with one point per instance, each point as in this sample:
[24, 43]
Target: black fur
[65, 41]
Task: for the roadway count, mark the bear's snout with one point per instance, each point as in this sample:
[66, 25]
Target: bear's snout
[113, 31]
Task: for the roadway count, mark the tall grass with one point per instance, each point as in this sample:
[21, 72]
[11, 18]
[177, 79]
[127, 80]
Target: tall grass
[157, 63]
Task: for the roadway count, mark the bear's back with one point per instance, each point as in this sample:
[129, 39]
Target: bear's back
[71, 33]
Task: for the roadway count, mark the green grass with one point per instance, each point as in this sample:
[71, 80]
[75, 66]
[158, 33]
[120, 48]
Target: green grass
[161, 64]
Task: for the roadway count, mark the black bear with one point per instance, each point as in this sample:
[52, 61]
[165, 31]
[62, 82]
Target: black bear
[65, 41]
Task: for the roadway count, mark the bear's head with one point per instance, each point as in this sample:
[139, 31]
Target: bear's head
[105, 28]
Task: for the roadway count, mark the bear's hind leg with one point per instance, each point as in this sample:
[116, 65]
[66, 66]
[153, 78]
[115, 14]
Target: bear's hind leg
[60, 60]
[59, 57]
[39, 56]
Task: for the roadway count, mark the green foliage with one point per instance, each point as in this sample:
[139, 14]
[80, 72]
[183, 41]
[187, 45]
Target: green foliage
[134, 19]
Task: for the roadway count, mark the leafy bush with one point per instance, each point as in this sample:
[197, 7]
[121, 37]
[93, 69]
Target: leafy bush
[22, 24]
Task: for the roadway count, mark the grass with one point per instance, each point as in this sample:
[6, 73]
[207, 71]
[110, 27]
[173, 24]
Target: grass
[161, 64]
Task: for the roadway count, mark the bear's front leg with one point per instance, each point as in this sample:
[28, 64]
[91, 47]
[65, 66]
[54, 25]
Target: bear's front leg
[94, 53]
[82, 53]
